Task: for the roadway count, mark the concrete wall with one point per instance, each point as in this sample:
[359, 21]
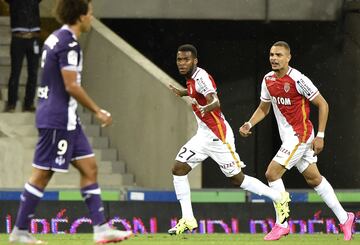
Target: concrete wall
[214, 9]
[17, 132]
[150, 123]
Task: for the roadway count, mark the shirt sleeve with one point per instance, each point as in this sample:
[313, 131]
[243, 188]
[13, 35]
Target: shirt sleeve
[69, 57]
[203, 85]
[306, 88]
[264, 95]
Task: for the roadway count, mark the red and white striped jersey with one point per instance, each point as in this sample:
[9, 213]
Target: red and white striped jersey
[290, 96]
[200, 85]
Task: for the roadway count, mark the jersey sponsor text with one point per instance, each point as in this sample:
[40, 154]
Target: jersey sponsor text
[281, 100]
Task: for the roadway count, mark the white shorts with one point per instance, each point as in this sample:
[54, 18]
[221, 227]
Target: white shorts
[202, 146]
[294, 153]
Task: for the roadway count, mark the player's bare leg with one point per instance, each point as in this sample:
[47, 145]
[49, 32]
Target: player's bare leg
[40, 178]
[33, 192]
[91, 192]
[182, 190]
[326, 192]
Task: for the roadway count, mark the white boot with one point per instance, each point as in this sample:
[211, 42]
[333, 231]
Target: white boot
[105, 234]
[23, 236]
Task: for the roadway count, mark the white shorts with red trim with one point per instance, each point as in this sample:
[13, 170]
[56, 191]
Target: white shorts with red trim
[294, 153]
[203, 145]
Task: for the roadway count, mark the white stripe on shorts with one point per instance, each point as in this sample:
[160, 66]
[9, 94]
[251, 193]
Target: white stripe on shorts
[54, 137]
[40, 167]
[59, 170]
[82, 157]
[52, 169]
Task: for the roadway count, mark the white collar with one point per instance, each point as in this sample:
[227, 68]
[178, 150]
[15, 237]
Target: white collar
[67, 27]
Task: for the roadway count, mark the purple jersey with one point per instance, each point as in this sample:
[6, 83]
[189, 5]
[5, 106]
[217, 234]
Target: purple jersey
[56, 108]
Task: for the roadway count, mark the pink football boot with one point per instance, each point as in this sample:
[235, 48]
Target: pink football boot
[347, 226]
[276, 233]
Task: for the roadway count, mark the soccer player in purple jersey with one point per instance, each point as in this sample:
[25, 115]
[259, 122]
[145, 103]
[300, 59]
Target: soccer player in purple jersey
[61, 138]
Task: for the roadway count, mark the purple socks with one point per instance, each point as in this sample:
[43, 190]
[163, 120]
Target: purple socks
[29, 199]
[31, 196]
[92, 198]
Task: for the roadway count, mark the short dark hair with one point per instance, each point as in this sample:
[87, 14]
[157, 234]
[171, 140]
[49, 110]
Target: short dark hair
[69, 11]
[188, 47]
[282, 44]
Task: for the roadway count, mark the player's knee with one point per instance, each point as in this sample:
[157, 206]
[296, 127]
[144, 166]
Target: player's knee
[235, 182]
[270, 175]
[94, 171]
[180, 169]
[90, 172]
[40, 178]
[315, 181]
[237, 179]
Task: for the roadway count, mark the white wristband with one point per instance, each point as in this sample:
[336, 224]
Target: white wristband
[105, 112]
[249, 123]
[320, 135]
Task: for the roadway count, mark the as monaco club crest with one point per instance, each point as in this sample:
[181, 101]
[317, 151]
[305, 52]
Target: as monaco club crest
[286, 87]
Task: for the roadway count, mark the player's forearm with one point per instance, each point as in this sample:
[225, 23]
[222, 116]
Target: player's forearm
[323, 116]
[183, 92]
[215, 103]
[77, 92]
[258, 115]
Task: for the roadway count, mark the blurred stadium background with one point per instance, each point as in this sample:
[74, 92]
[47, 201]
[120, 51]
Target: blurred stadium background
[129, 62]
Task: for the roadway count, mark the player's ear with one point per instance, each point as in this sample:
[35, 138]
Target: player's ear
[289, 57]
[195, 61]
[81, 18]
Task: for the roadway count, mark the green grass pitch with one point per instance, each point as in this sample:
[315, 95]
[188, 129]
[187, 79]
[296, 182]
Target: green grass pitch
[207, 239]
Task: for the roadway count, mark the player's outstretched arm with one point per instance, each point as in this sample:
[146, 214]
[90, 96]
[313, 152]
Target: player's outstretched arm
[178, 92]
[259, 114]
[76, 91]
[322, 105]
